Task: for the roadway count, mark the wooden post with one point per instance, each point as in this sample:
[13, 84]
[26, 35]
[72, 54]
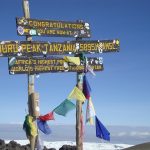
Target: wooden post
[79, 138]
[30, 77]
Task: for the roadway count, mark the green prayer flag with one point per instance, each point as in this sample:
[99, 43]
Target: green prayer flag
[29, 126]
[64, 107]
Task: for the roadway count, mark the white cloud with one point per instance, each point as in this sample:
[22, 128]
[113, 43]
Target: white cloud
[132, 134]
[141, 134]
[122, 134]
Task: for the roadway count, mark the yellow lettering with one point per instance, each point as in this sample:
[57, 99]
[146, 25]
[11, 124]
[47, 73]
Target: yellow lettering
[93, 47]
[50, 32]
[8, 48]
[23, 47]
[38, 47]
[55, 47]
[85, 46]
[69, 47]
[30, 23]
[108, 46]
[55, 24]
[46, 24]
[65, 47]
[34, 48]
[59, 47]
[28, 48]
[33, 61]
[41, 31]
[46, 47]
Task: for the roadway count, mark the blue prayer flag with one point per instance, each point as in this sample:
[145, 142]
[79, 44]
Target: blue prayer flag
[101, 131]
[43, 126]
[86, 87]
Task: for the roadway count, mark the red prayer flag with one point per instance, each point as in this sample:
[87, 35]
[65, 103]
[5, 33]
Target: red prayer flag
[49, 116]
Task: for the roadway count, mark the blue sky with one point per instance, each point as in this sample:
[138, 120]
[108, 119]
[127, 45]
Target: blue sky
[120, 93]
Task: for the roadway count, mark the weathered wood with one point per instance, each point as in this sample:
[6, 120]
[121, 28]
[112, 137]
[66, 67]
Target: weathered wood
[35, 104]
[79, 136]
[30, 77]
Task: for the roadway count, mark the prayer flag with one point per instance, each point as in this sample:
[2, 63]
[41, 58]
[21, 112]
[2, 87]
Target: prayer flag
[77, 94]
[90, 69]
[101, 131]
[64, 107]
[81, 56]
[86, 87]
[91, 121]
[26, 129]
[75, 60]
[29, 126]
[90, 111]
[49, 116]
[43, 126]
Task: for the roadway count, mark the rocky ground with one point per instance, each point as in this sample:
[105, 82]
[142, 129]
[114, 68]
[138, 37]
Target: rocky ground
[144, 146]
[12, 145]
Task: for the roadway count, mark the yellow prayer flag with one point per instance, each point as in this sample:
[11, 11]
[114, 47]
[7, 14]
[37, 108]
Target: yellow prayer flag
[91, 121]
[77, 94]
[33, 128]
[75, 60]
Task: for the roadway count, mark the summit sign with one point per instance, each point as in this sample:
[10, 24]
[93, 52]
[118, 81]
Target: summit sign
[39, 48]
[23, 65]
[36, 27]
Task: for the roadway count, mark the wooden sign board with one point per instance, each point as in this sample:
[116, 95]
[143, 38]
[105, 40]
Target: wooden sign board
[53, 24]
[36, 27]
[52, 64]
[38, 48]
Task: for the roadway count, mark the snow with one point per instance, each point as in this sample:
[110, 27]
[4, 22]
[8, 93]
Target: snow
[86, 145]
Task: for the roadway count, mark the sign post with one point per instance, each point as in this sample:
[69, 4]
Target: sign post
[30, 77]
[33, 57]
[79, 134]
